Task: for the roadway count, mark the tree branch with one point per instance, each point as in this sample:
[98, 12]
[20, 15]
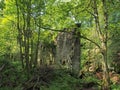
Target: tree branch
[91, 41]
[91, 13]
[1, 68]
[56, 30]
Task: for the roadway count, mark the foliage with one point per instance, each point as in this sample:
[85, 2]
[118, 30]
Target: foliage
[45, 19]
[8, 34]
[11, 75]
[115, 87]
[52, 79]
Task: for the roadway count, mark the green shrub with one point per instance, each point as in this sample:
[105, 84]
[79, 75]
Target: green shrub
[115, 87]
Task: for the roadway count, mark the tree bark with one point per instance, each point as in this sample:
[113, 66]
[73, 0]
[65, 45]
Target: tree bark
[19, 34]
[76, 55]
[37, 47]
[103, 39]
[106, 71]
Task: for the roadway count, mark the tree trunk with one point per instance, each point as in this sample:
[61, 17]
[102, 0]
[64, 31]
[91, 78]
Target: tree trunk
[106, 71]
[76, 55]
[28, 36]
[103, 39]
[19, 38]
[37, 48]
[106, 79]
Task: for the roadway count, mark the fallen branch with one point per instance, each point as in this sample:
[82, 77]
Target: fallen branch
[1, 68]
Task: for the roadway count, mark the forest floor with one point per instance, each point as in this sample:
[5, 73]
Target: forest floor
[13, 77]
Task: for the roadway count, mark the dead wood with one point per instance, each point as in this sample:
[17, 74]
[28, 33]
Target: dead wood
[1, 68]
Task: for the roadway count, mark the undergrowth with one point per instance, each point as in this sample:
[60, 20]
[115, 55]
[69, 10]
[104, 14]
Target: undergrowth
[13, 77]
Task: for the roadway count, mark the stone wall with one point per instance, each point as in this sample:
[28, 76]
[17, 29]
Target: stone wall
[68, 49]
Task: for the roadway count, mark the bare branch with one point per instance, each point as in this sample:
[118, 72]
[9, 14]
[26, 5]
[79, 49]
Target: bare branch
[56, 30]
[91, 41]
[1, 68]
[91, 13]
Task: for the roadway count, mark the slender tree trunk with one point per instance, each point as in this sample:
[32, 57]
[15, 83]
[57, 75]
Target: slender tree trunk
[31, 53]
[19, 34]
[103, 38]
[106, 71]
[28, 36]
[37, 48]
